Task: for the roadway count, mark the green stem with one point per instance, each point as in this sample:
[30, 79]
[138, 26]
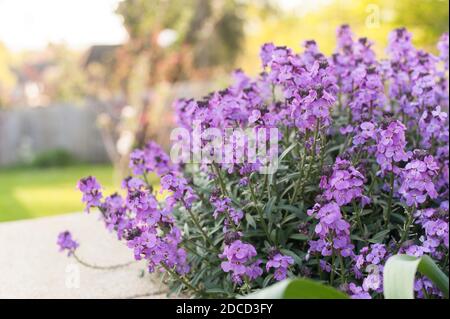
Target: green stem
[391, 195]
[299, 180]
[197, 224]
[221, 182]
[86, 264]
[333, 256]
[183, 244]
[313, 157]
[343, 277]
[319, 270]
[258, 209]
[182, 279]
[358, 217]
[224, 192]
[408, 224]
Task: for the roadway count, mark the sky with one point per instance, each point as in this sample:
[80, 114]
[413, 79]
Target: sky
[32, 24]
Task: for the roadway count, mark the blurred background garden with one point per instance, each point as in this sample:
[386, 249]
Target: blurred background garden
[83, 82]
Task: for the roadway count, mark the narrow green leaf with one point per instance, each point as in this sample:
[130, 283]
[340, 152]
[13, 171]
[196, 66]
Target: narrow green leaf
[299, 237]
[286, 152]
[428, 267]
[400, 272]
[309, 289]
[250, 220]
[297, 289]
[379, 237]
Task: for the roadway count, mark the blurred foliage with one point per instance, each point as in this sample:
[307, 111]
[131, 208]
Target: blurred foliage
[53, 158]
[177, 40]
[319, 19]
[428, 19]
[180, 37]
[67, 83]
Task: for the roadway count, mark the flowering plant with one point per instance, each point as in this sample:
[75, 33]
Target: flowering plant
[355, 170]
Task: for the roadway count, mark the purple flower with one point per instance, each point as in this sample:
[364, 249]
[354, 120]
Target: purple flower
[333, 232]
[344, 37]
[91, 190]
[345, 184]
[417, 181]
[422, 285]
[236, 215]
[223, 207]
[239, 258]
[391, 143]
[114, 214]
[367, 98]
[443, 49]
[181, 192]
[65, 242]
[375, 254]
[435, 240]
[151, 159]
[357, 292]
[266, 53]
[281, 264]
[433, 126]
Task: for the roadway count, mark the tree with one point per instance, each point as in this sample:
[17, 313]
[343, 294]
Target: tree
[205, 35]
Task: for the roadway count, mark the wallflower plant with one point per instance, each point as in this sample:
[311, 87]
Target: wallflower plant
[361, 175]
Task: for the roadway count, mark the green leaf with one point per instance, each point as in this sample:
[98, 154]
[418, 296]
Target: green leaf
[297, 289]
[288, 218]
[250, 220]
[299, 237]
[379, 237]
[269, 207]
[400, 272]
[286, 152]
[297, 210]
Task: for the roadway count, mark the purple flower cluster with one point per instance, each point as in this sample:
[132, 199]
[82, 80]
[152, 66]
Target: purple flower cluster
[359, 75]
[222, 206]
[91, 190]
[146, 225]
[416, 82]
[281, 264]
[151, 158]
[308, 82]
[417, 181]
[344, 185]
[237, 106]
[443, 46]
[369, 266]
[363, 135]
[434, 242]
[333, 231]
[433, 126]
[349, 132]
[399, 69]
[357, 292]
[391, 145]
[180, 190]
[240, 261]
[66, 242]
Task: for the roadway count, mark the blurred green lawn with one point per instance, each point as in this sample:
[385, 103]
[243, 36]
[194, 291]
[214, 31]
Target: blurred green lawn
[34, 192]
